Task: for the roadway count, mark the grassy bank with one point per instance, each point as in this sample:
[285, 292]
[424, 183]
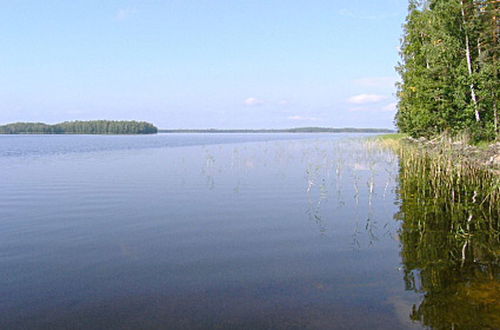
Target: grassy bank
[485, 154]
[391, 137]
[449, 172]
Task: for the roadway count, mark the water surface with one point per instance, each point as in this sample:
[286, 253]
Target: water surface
[177, 231]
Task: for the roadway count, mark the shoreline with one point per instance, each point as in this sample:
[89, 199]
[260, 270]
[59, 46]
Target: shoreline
[284, 130]
[485, 157]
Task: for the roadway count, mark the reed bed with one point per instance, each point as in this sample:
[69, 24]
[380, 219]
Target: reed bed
[441, 174]
[450, 233]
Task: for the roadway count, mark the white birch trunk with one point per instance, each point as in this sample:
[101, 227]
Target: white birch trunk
[469, 63]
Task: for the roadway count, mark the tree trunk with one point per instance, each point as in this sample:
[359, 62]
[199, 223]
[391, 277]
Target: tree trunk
[469, 63]
[495, 118]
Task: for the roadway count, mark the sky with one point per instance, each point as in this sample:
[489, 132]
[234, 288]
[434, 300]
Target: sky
[201, 63]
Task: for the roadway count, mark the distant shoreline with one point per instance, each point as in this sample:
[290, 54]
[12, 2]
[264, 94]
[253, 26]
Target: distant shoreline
[110, 127]
[285, 130]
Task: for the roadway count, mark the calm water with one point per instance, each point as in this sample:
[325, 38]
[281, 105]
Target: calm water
[277, 231]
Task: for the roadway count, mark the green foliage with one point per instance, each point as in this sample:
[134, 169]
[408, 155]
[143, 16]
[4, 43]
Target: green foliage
[439, 90]
[81, 127]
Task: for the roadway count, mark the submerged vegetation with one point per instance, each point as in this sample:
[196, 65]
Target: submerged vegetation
[449, 69]
[81, 127]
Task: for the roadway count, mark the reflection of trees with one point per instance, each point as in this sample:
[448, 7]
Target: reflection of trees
[450, 251]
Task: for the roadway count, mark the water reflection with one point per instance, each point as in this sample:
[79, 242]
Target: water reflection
[276, 234]
[450, 252]
[342, 178]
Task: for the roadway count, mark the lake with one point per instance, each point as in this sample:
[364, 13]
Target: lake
[203, 231]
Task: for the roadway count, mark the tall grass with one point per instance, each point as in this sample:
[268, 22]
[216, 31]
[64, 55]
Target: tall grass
[450, 234]
[440, 174]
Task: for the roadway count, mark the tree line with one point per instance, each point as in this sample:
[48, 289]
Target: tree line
[81, 127]
[449, 69]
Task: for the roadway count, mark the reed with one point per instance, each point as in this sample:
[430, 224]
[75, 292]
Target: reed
[450, 233]
[444, 175]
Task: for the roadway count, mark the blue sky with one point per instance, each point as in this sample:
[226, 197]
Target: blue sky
[201, 64]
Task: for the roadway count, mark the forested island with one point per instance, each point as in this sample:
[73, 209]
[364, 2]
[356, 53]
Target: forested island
[285, 130]
[82, 127]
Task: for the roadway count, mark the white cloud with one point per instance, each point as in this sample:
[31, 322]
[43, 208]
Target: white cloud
[252, 101]
[376, 81]
[302, 118]
[366, 98]
[123, 13]
[390, 107]
[284, 102]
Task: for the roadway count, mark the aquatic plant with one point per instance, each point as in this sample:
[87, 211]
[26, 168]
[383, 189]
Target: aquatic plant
[450, 236]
